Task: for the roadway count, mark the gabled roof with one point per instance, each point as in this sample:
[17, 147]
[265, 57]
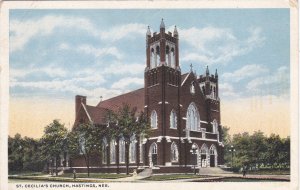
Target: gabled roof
[134, 99]
[184, 77]
[96, 114]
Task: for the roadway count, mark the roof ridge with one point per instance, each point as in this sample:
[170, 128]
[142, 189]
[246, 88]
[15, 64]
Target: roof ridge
[98, 105]
[95, 107]
[187, 75]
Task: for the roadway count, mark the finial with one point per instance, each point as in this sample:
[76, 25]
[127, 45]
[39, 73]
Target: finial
[175, 31]
[162, 24]
[148, 31]
[207, 71]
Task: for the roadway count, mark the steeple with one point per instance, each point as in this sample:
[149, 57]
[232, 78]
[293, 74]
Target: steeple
[207, 71]
[216, 74]
[162, 48]
[162, 24]
[148, 31]
[175, 32]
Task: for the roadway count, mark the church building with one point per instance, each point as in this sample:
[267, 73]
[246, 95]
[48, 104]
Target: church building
[183, 110]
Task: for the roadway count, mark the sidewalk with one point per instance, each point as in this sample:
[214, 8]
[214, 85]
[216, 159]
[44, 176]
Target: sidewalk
[141, 179]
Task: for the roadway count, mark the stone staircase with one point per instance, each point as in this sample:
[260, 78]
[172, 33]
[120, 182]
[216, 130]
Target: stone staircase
[213, 170]
[145, 173]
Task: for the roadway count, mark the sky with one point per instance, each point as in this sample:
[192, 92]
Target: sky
[57, 54]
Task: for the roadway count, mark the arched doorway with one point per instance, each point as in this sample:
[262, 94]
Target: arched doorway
[213, 156]
[153, 155]
[203, 155]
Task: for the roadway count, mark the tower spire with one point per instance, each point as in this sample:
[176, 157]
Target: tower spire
[162, 24]
[175, 32]
[207, 71]
[216, 74]
[148, 31]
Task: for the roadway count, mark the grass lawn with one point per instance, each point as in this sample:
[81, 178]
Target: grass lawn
[172, 177]
[270, 172]
[67, 177]
[240, 179]
[95, 175]
[236, 179]
[27, 173]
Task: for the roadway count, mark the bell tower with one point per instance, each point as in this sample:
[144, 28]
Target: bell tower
[162, 85]
[162, 48]
[209, 85]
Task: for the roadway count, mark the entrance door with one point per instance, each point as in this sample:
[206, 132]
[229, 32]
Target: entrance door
[154, 159]
[203, 160]
[212, 160]
[153, 155]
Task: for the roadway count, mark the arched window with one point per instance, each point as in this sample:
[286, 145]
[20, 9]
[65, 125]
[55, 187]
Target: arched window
[112, 151]
[104, 151]
[153, 119]
[173, 120]
[193, 118]
[213, 150]
[215, 94]
[204, 149]
[122, 150]
[157, 54]
[141, 149]
[168, 55]
[81, 144]
[215, 126]
[172, 58]
[192, 88]
[132, 153]
[174, 152]
[152, 59]
[153, 148]
[132, 148]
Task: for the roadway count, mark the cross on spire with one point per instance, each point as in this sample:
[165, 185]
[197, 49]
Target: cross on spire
[191, 65]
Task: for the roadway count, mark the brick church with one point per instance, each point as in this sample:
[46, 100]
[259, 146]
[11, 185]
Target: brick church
[183, 110]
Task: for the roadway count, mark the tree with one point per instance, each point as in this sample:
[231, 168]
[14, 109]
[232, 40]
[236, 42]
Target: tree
[274, 146]
[226, 138]
[86, 139]
[15, 153]
[33, 159]
[286, 152]
[54, 141]
[257, 148]
[225, 135]
[241, 142]
[127, 123]
[24, 154]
